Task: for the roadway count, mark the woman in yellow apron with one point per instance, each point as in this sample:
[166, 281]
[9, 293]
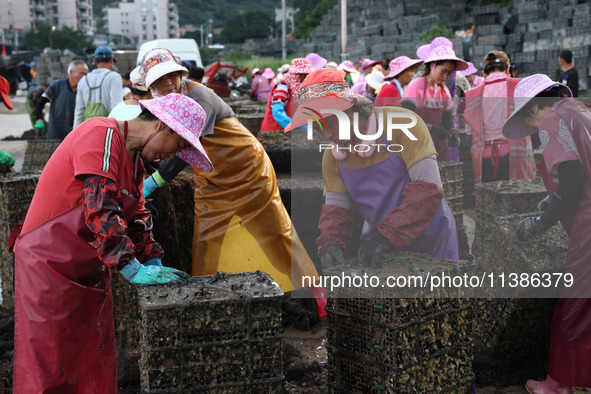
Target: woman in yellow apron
[241, 224]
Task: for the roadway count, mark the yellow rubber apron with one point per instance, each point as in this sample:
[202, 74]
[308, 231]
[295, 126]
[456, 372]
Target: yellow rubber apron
[241, 224]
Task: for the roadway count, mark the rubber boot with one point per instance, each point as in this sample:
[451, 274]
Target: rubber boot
[548, 386]
[319, 294]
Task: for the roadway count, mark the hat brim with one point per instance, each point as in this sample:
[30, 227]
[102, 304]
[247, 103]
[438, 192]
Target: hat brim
[6, 100]
[195, 154]
[423, 51]
[268, 75]
[414, 63]
[162, 69]
[305, 111]
[515, 127]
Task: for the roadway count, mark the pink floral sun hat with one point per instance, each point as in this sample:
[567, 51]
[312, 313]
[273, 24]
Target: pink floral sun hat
[525, 91]
[301, 65]
[400, 64]
[470, 70]
[186, 118]
[424, 50]
[443, 52]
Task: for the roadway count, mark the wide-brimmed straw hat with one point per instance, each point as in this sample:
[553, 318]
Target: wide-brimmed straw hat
[401, 63]
[268, 73]
[323, 89]
[158, 62]
[525, 91]
[137, 82]
[301, 65]
[445, 53]
[347, 66]
[186, 118]
[470, 70]
[425, 50]
[316, 60]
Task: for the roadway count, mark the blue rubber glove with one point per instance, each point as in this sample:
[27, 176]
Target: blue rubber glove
[149, 186]
[280, 116]
[157, 261]
[139, 274]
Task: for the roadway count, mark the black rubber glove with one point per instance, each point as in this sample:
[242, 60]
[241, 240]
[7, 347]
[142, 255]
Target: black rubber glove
[528, 228]
[332, 256]
[408, 104]
[439, 132]
[372, 248]
[454, 138]
[545, 203]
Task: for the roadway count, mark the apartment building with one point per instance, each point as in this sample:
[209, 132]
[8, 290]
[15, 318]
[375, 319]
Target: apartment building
[142, 20]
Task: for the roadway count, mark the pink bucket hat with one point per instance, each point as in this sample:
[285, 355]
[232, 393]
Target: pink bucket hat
[443, 52]
[268, 73]
[470, 70]
[316, 60]
[424, 50]
[400, 64]
[254, 71]
[347, 66]
[301, 65]
[525, 91]
[365, 63]
[323, 89]
[158, 62]
[186, 118]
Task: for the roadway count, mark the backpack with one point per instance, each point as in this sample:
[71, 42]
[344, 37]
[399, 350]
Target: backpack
[93, 110]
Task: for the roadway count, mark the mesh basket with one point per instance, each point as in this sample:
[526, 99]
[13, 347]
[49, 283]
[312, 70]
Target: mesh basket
[221, 331]
[38, 153]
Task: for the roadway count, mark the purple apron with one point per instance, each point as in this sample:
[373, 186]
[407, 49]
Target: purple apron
[433, 116]
[375, 198]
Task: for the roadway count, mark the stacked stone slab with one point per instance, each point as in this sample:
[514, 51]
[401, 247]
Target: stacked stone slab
[220, 332]
[52, 65]
[16, 193]
[379, 341]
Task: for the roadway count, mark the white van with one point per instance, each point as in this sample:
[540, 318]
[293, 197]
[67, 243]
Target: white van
[185, 48]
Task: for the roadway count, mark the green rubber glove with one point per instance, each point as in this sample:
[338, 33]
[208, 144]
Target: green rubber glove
[39, 127]
[140, 274]
[6, 161]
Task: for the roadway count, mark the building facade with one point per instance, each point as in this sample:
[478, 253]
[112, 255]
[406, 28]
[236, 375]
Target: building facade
[19, 16]
[142, 20]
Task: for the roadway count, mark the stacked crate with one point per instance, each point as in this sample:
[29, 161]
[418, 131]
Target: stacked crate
[16, 193]
[38, 153]
[453, 184]
[219, 332]
[379, 341]
[502, 198]
[512, 333]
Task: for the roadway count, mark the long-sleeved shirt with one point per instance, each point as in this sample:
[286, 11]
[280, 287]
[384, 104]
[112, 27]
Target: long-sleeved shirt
[110, 92]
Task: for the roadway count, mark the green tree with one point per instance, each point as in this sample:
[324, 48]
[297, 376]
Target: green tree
[250, 24]
[309, 15]
[48, 36]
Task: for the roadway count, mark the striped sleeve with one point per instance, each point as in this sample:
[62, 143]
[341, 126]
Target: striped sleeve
[280, 93]
[100, 150]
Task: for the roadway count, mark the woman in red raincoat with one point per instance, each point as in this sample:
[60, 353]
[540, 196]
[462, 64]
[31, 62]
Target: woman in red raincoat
[565, 132]
[88, 215]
